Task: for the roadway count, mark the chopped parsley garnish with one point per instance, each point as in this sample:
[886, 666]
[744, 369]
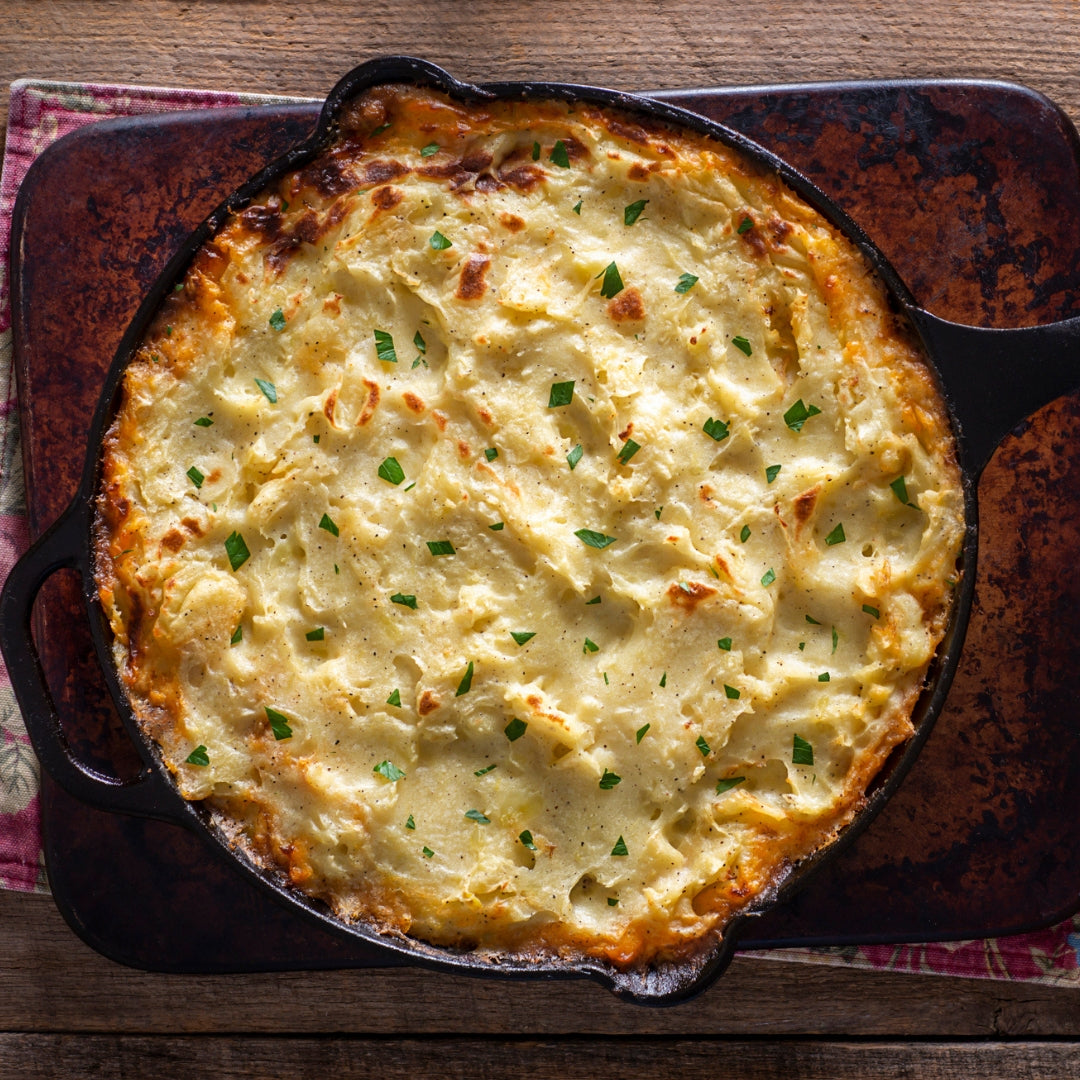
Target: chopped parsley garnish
[594, 539]
[802, 753]
[389, 770]
[384, 347]
[419, 342]
[574, 456]
[613, 283]
[663, 680]
[203, 421]
[609, 780]
[478, 817]
[658, 511]
[577, 208]
[562, 393]
[527, 840]
[772, 472]
[195, 476]
[745, 225]
[620, 847]
[439, 242]
[612, 901]
[725, 644]
[325, 522]
[405, 599]
[315, 439]
[733, 693]
[410, 823]
[590, 646]
[198, 756]
[237, 550]
[633, 211]
[394, 699]
[427, 852]
[742, 345]
[498, 526]
[594, 600]
[391, 471]
[871, 610]
[702, 745]
[686, 283]
[466, 681]
[536, 151]
[812, 621]
[515, 729]
[277, 321]
[642, 732]
[836, 536]
[237, 635]
[380, 129]
[835, 639]
[559, 155]
[768, 577]
[430, 149]
[168, 331]
[726, 785]
[629, 449]
[745, 534]
[798, 414]
[491, 453]
[521, 636]
[823, 677]
[606, 682]
[279, 723]
[899, 489]
[440, 547]
[269, 390]
[715, 429]
[318, 634]
[484, 771]
[411, 486]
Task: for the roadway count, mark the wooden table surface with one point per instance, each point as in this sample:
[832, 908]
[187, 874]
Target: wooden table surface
[67, 1012]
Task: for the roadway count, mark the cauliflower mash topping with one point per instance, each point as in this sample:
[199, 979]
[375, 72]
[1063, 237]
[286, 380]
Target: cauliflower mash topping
[527, 528]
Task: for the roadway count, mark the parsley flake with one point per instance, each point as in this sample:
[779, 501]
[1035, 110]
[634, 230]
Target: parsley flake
[732, 692]
[562, 393]
[612, 901]
[318, 634]
[702, 745]
[498, 526]
[526, 839]
[405, 599]
[657, 512]
[609, 780]
[574, 456]
[391, 471]
[871, 610]
[279, 723]
[237, 635]
[237, 550]
[427, 852]
[440, 547]
[384, 347]
[269, 390]
[478, 817]
[812, 621]
[203, 421]
[430, 149]
[536, 151]
[515, 729]
[620, 847]
[195, 476]
[577, 208]
[590, 646]
[410, 822]
[745, 534]
[798, 414]
[723, 786]
[823, 677]
[633, 211]
[716, 429]
[745, 225]
[899, 489]
[663, 680]
[594, 600]
[491, 453]
[198, 756]
[277, 320]
[768, 577]
[836, 536]
[394, 699]
[389, 770]
[466, 681]
[725, 644]
[419, 342]
[325, 522]
[772, 472]
[521, 636]
[439, 242]
[613, 283]
[484, 771]
[835, 639]
[593, 539]
[686, 283]
[629, 449]
[642, 732]
[380, 129]
[559, 155]
[742, 345]
[802, 753]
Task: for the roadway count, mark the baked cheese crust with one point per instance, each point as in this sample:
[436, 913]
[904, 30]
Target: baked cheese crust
[528, 529]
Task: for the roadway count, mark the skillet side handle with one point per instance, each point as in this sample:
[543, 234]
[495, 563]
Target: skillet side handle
[994, 379]
[59, 548]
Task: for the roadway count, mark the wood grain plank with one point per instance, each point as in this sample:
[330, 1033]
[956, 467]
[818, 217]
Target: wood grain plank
[165, 1058]
[51, 982]
[304, 47]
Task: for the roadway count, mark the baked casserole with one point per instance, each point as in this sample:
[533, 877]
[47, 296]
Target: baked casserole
[527, 528]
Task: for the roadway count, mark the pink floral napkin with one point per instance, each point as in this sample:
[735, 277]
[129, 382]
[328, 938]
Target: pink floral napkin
[41, 112]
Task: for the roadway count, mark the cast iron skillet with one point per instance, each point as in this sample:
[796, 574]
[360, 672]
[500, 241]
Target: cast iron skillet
[990, 379]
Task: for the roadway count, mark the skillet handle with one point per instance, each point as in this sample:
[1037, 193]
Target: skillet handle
[994, 379]
[58, 548]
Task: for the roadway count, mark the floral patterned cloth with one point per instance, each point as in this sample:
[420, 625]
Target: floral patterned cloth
[41, 112]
